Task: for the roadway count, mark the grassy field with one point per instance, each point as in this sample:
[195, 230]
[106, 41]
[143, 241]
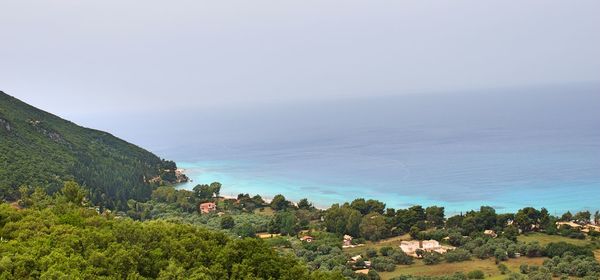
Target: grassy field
[489, 267]
[267, 211]
[544, 239]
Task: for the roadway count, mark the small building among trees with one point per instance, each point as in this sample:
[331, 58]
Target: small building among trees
[207, 207]
[307, 238]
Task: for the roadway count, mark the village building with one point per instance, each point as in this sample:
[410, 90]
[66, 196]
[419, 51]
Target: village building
[356, 258]
[412, 247]
[267, 235]
[571, 224]
[490, 233]
[347, 241]
[207, 207]
[307, 238]
[589, 227]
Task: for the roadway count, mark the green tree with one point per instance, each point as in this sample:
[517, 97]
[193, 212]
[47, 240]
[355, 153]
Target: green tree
[431, 258]
[73, 192]
[583, 216]
[207, 192]
[435, 216]
[227, 222]
[374, 227]
[476, 274]
[527, 219]
[285, 222]
[567, 217]
[279, 203]
[216, 188]
[304, 204]
[375, 206]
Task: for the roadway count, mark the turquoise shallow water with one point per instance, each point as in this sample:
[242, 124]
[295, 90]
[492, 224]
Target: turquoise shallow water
[503, 150]
[558, 198]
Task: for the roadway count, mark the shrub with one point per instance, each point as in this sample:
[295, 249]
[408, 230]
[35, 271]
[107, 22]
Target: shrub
[458, 255]
[476, 274]
[561, 248]
[386, 251]
[383, 264]
[533, 250]
[371, 253]
[579, 266]
[431, 258]
[500, 255]
[400, 257]
[456, 239]
[373, 275]
[227, 222]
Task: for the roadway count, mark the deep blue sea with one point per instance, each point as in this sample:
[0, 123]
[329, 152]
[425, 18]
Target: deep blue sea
[508, 149]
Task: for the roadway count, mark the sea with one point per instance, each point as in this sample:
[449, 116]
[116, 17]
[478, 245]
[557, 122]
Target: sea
[506, 148]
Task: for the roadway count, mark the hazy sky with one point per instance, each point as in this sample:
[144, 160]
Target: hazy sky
[106, 57]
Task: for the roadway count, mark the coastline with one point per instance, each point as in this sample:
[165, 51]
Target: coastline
[506, 202]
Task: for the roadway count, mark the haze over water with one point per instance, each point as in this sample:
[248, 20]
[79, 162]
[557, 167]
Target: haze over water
[280, 96]
[504, 148]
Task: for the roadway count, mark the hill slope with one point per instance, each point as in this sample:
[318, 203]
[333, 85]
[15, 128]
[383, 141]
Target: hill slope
[40, 149]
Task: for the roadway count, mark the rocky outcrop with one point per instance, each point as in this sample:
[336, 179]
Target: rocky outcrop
[170, 177]
[181, 177]
[5, 125]
[54, 136]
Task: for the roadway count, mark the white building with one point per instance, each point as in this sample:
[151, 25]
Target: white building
[411, 247]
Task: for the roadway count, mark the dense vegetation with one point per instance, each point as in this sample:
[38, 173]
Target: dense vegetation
[57, 238]
[370, 221]
[40, 149]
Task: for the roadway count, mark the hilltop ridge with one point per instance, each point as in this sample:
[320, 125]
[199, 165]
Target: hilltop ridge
[39, 149]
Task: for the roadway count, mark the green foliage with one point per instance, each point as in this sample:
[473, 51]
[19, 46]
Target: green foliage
[343, 220]
[73, 192]
[280, 203]
[458, 255]
[476, 274]
[304, 204]
[245, 230]
[386, 251]
[562, 248]
[183, 199]
[246, 203]
[383, 264]
[435, 216]
[503, 269]
[368, 206]
[374, 227]
[67, 241]
[456, 276]
[371, 253]
[285, 223]
[227, 222]
[40, 149]
[577, 266]
[431, 258]
[207, 192]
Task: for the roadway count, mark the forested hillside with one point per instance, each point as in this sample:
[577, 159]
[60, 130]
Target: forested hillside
[40, 149]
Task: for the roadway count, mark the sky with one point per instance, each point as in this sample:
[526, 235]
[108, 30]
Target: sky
[98, 58]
